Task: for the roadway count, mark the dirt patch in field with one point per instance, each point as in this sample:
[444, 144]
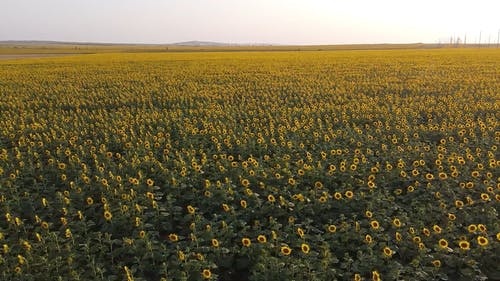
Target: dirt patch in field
[28, 56]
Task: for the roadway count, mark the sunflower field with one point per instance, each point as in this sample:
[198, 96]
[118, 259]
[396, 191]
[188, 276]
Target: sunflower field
[324, 165]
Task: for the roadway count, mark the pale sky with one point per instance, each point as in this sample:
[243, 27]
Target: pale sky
[250, 21]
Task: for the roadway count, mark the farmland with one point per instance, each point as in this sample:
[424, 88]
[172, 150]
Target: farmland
[283, 165]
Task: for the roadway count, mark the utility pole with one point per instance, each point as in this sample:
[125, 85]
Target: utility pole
[479, 39]
[498, 38]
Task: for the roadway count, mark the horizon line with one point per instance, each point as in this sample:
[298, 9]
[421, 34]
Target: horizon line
[204, 43]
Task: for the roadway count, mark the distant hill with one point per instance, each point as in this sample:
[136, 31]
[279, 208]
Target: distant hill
[16, 47]
[216, 44]
[201, 43]
[41, 42]
[187, 43]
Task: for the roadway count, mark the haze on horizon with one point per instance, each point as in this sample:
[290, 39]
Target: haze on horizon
[257, 21]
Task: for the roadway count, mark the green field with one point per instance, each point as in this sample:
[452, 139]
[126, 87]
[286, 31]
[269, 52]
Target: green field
[146, 164]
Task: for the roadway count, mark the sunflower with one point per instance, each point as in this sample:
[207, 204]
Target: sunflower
[371, 184]
[443, 243]
[332, 228]
[300, 232]
[482, 227]
[285, 250]
[398, 236]
[375, 276]
[388, 252]
[215, 243]
[349, 194]
[482, 241]
[181, 255]
[246, 242]
[90, 201]
[436, 263]
[396, 222]
[368, 214]
[459, 203]
[107, 215]
[375, 224]
[190, 209]
[305, 248]
[337, 195]
[436, 228]
[485, 196]
[173, 237]
[262, 239]
[243, 204]
[426, 231]
[200, 256]
[248, 191]
[464, 245]
[206, 273]
[357, 277]
[368, 238]
[472, 228]
[271, 198]
[245, 182]
[226, 207]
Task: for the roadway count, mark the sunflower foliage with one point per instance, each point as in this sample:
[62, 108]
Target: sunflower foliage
[338, 165]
